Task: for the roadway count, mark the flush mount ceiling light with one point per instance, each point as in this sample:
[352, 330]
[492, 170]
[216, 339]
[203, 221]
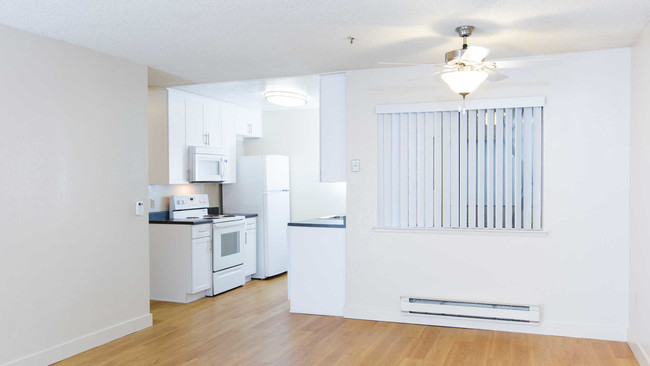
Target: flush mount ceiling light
[285, 99]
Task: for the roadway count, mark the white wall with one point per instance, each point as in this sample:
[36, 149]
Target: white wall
[295, 133]
[577, 271]
[73, 256]
[640, 200]
[160, 193]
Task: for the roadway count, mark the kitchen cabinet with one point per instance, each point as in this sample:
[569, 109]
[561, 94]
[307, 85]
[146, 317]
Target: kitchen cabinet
[249, 123]
[201, 264]
[202, 122]
[180, 261]
[250, 245]
[316, 282]
[333, 165]
[228, 118]
[178, 120]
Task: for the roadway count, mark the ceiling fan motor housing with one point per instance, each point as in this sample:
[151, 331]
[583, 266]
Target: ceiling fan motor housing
[455, 58]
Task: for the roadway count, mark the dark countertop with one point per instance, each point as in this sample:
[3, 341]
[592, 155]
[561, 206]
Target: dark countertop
[249, 215]
[162, 217]
[217, 211]
[327, 222]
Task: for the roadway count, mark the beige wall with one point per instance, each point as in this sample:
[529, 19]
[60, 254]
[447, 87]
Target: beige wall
[640, 200]
[295, 133]
[577, 271]
[74, 264]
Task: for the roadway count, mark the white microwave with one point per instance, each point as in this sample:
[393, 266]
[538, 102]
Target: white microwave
[207, 164]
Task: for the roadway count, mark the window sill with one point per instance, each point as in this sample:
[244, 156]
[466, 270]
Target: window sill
[422, 230]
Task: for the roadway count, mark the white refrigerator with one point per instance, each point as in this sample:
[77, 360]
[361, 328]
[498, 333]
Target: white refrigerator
[263, 188]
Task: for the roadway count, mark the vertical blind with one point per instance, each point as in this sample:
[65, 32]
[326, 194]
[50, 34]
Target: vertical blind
[481, 168]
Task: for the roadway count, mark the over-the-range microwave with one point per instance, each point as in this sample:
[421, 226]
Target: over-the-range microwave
[207, 164]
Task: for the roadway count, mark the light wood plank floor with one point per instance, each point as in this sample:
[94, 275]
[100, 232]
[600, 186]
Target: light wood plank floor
[252, 326]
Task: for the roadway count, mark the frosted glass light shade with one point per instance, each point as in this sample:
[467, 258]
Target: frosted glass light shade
[465, 81]
[285, 99]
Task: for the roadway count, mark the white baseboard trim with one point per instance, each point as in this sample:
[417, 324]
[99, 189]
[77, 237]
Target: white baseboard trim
[641, 355]
[84, 343]
[564, 329]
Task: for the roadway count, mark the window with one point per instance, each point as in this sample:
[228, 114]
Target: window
[444, 168]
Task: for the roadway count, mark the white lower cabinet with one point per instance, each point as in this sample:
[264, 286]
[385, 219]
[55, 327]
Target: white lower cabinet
[201, 264]
[250, 243]
[180, 261]
[316, 281]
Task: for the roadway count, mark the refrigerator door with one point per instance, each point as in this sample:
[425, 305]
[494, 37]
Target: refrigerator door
[276, 213]
[276, 173]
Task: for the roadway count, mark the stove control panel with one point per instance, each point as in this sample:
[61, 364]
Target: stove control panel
[188, 202]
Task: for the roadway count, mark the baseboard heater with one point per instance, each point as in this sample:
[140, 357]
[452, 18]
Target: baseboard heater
[471, 310]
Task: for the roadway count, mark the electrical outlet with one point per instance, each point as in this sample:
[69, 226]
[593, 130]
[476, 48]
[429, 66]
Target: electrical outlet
[356, 165]
[152, 203]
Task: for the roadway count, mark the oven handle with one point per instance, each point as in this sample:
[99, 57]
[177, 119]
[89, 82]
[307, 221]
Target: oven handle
[229, 224]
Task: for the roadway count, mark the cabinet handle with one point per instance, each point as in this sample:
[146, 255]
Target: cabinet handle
[208, 139]
[205, 139]
[250, 128]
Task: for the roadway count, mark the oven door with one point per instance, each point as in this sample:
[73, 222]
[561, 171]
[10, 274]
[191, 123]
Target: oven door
[207, 168]
[227, 245]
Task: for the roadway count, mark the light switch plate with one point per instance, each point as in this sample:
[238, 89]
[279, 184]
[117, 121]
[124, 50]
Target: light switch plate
[356, 165]
[152, 203]
[139, 208]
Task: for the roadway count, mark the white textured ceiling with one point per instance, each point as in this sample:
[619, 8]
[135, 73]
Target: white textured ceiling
[196, 41]
[250, 93]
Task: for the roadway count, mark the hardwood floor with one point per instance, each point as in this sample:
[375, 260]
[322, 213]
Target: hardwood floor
[252, 326]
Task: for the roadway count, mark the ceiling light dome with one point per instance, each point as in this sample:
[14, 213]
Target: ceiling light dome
[464, 82]
[285, 98]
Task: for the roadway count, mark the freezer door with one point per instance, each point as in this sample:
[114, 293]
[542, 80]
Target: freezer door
[276, 173]
[277, 209]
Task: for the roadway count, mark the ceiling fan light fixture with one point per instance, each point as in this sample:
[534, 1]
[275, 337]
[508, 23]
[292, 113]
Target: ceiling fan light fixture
[285, 98]
[464, 82]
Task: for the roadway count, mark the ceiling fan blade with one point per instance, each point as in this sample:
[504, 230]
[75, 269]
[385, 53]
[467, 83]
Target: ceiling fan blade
[511, 63]
[475, 54]
[431, 74]
[495, 76]
[409, 64]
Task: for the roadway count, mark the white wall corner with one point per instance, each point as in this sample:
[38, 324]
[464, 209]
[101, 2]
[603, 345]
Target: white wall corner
[84, 343]
[641, 355]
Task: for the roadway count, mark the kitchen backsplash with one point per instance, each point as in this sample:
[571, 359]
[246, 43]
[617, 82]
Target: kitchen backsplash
[160, 193]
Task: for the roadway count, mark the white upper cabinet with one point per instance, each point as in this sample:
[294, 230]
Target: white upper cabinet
[212, 123]
[332, 128]
[203, 122]
[178, 120]
[228, 120]
[194, 133]
[249, 123]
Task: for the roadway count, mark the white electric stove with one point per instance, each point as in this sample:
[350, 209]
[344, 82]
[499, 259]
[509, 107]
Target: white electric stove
[227, 240]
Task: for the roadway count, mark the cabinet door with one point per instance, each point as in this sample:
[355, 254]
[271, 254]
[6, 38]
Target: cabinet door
[201, 264]
[250, 261]
[242, 122]
[212, 123]
[194, 134]
[256, 123]
[228, 121]
[249, 122]
[178, 161]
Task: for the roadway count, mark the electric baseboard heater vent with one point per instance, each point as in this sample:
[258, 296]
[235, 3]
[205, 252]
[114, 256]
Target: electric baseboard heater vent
[471, 310]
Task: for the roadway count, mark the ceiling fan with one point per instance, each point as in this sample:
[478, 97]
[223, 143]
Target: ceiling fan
[466, 68]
